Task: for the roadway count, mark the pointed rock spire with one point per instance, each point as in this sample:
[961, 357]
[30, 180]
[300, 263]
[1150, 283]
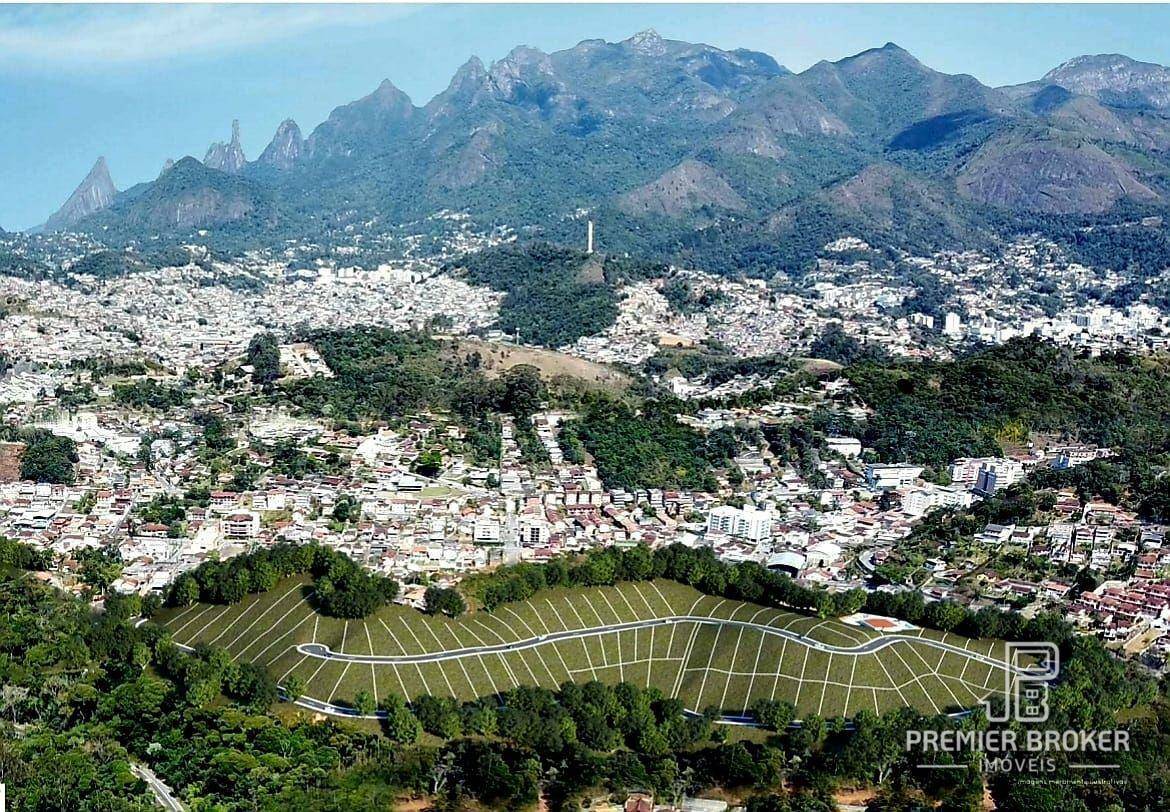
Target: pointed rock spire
[285, 148]
[227, 157]
[92, 195]
[470, 75]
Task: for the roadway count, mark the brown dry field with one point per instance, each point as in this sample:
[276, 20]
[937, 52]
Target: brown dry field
[498, 358]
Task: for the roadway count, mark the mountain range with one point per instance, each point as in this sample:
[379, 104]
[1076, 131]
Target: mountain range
[685, 147]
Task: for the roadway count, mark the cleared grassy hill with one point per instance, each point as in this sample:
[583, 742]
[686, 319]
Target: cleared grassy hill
[704, 655]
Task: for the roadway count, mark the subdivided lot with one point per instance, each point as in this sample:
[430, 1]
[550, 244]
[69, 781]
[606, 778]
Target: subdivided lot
[705, 650]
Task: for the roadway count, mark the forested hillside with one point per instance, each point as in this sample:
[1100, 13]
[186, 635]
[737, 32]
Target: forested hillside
[981, 403]
[554, 295]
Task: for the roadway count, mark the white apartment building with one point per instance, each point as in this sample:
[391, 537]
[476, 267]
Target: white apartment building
[486, 531]
[921, 501]
[1074, 455]
[747, 522]
[952, 325]
[241, 525]
[888, 477]
[845, 446]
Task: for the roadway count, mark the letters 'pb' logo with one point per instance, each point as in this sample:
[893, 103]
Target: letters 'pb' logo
[1028, 668]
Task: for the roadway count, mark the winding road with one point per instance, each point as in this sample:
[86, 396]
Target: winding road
[871, 646]
[321, 651]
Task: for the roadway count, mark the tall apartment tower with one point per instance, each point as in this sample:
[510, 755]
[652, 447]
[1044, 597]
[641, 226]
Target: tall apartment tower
[589, 238]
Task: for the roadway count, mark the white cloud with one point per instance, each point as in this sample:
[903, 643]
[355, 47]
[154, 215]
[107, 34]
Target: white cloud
[89, 37]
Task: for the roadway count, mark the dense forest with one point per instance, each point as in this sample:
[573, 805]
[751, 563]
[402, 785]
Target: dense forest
[646, 449]
[149, 393]
[997, 397]
[381, 374]
[714, 364]
[46, 457]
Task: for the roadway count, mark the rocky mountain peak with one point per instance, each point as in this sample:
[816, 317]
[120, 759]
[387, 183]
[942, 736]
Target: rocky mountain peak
[1115, 80]
[388, 95]
[522, 73]
[366, 123]
[286, 146]
[887, 57]
[473, 70]
[1093, 63]
[462, 89]
[647, 42]
[94, 193]
[227, 157]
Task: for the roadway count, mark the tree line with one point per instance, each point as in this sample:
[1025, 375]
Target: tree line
[750, 582]
[341, 587]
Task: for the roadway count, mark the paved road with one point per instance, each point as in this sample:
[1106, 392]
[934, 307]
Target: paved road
[732, 719]
[877, 644]
[331, 709]
[162, 793]
[868, 647]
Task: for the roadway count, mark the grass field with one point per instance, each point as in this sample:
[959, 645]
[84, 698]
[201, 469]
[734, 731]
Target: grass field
[705, 664]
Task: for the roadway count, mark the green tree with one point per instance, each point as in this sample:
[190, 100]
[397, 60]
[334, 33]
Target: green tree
[773, 714]
[263, 355]
[439, 600]
[401, 725]
[523, 391]
[364, 703]
[294, 686]
[99, 567]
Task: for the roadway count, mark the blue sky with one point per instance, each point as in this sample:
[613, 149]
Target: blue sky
[139, 84]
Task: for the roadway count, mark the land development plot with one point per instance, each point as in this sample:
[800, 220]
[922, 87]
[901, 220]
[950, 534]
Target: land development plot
[708, 651]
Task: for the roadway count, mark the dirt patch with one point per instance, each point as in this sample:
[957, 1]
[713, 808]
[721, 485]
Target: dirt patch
[672, 340]
[592, 272]
[819, 366]
[497, 358]
[10, 457]
[854, 797]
